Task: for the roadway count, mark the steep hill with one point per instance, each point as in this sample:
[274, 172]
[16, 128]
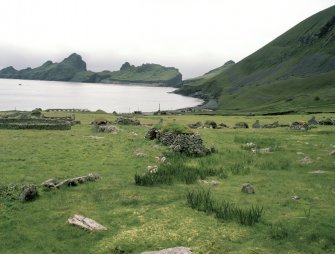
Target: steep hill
[73, 68]
[296, 71]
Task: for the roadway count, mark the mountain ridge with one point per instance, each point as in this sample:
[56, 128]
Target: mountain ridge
[295, 71]
[73, 68]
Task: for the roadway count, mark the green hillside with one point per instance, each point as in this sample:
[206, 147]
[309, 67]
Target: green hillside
[74, 69]
[294, 72]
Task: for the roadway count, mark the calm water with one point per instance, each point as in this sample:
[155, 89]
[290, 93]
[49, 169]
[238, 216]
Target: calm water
[109, 97]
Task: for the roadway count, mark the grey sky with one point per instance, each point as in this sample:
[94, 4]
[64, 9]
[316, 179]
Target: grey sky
[192, 35]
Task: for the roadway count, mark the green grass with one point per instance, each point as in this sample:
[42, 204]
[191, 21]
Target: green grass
[141, 218]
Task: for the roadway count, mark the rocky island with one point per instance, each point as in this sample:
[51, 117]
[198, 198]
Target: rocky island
[73, 69]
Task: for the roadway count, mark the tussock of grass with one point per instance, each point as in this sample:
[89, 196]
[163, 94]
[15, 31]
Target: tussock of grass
[203, 201]
[177, 170]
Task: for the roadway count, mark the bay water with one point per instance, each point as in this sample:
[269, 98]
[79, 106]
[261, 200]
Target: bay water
[21, 94]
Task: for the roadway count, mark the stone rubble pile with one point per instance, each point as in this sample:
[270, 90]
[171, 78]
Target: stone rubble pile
[190, 144]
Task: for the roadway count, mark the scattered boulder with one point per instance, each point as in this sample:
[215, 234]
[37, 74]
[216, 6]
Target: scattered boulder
[271, 125]
[29, 193]
[332, 152]
[249, 145]
[223, 125]
[306, 160]
[152, 169]
[85, 223]
[175, 250]
[127, 121]
[196, 125]
[295, 197]
[152, 134]
[266, 150]
[241, 125]
[139, 154]
[256, 125]
[161, 159]
[210, 124]
[247, 188]
[210, 182]
[299, 126]
[100, 121]
[318, 172]
[50, 183]
[107, 128]
[53, 184]
[327, 121]
[312, 121]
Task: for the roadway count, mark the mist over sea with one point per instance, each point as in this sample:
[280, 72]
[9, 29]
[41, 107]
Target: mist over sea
[30, 94]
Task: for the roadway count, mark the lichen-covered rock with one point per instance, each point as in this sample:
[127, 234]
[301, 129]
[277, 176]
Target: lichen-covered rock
[29, 193]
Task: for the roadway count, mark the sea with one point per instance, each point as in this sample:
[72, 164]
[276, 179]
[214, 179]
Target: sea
[19, 94]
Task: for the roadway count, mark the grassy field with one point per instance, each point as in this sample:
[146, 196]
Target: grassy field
[142, 218]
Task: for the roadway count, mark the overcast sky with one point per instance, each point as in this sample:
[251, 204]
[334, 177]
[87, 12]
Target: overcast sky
[191, 35]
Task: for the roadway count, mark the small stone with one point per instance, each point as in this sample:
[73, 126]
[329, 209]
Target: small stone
[211, 182]
[139, 154]
[152, 169]
[295, 197]
[306, 160]
[332, 152]
[318, 172]
[247, 188]
[265, 150]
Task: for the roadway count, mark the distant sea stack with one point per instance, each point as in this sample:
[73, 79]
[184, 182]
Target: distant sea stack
[73, 69]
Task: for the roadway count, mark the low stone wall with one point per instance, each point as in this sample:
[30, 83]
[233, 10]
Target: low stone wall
[36, 126]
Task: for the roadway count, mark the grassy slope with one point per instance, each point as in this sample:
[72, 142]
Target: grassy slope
[295, 65]
[150, 218]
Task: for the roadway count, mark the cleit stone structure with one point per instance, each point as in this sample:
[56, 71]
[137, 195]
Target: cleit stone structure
[188, 143]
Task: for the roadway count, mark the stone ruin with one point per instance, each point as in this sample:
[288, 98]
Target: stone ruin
[187, 143]
[36, 120]
[127, 121]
